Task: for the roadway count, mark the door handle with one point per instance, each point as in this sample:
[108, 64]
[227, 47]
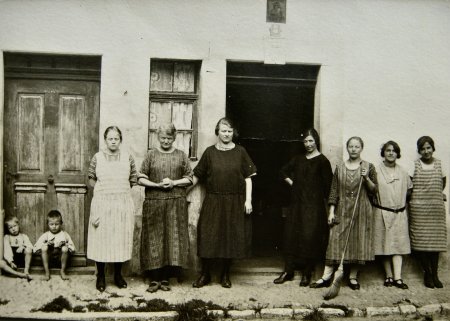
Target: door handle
[50, 179]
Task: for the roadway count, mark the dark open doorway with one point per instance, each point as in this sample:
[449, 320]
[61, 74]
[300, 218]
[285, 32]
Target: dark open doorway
[270, 105]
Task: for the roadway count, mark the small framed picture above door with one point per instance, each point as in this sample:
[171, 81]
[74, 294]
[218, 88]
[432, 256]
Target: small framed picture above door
[276, 11]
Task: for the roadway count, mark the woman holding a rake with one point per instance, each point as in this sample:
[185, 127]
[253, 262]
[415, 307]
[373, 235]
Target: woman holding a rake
[351, 218]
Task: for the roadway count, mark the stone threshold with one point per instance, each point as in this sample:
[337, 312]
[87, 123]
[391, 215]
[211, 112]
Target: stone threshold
[255, 314]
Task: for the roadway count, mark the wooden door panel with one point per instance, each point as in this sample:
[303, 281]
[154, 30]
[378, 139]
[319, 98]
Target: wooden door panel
[51, 132]
[71, 134]
[71, 201]
[30, 133]
[30, 208]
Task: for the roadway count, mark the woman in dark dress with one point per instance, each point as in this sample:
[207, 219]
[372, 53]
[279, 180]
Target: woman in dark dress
[306, 227]
[224, 227]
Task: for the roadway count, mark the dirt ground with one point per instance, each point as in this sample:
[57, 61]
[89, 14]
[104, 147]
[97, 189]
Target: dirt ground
[248, 292]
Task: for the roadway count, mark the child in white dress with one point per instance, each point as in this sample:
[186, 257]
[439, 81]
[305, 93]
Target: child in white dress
[55, 245]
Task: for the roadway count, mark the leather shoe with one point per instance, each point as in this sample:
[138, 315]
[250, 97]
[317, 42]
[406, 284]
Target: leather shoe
[323, 284]
[306, 279]
[203, 280]
[225, 281]
[283, 278]
[120, 282]
[101, 283]
[353, 284]
[400, 284]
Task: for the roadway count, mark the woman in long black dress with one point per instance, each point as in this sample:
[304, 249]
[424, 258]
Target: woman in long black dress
[224, 227]
[306, 227]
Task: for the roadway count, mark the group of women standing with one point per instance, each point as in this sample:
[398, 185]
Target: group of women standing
[224, 227]
[316, 227]
[392, 213]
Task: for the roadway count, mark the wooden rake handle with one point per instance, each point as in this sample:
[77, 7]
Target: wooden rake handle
[351, 221]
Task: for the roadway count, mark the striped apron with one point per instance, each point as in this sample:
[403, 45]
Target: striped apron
[427, 225]
[112, 240]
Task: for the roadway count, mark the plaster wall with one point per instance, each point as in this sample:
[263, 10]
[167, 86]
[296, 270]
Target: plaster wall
[385, 65]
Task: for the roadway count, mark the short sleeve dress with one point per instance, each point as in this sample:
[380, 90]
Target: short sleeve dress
[165, 235]
[391, 228]
[112, 239]
[224, 229]
[344, 189]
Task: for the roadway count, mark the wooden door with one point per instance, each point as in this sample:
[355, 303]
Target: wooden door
[50, 133]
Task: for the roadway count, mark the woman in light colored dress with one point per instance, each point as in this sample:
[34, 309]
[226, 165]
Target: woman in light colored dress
[344, 190]
[391, 220]
[111, 223]
[427, 227]
[165, 173]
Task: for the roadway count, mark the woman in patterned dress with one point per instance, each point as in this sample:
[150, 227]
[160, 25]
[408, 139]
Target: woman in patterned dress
[391, 220]
[306, 228]
[224, 227]
[165, 173]
[111, 222]
[344, 189]
[428, 230]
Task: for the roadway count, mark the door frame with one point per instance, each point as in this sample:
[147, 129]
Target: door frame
[57, 70]
[241, 72]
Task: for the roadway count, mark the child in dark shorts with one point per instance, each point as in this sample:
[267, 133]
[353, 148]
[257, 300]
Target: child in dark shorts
[55, 245]
[17, 249]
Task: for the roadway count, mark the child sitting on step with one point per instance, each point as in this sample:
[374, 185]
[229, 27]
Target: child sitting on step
[55, 245]
[17, 249]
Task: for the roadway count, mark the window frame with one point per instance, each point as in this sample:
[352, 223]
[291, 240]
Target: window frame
[178, 97]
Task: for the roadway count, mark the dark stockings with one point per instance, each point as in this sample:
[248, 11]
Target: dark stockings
[429, 262]
[100, 284]
[226, 264]
[100, 269]
[206, 266]
[162, 274]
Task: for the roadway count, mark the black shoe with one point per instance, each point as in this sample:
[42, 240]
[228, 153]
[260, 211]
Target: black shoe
[120, 282]
[353, 285]
[203, 280]
[101, 283]
[283, 278]
[428, 280]
[306, 279]
[323, 284]
[437, 283]
[225, 281]
[400, 284]
[388, 282]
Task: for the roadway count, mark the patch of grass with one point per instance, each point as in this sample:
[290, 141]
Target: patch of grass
[154, 305]
[316, 315]
[56, 305]
[194, 310]
[4, 302]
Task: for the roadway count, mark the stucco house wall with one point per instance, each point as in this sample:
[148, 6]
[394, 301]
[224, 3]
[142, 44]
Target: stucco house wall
[385, 65]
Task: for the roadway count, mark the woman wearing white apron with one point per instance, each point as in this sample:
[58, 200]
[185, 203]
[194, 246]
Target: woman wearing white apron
[111, 222]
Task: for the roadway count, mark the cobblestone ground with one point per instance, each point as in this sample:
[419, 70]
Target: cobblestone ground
[17, 296]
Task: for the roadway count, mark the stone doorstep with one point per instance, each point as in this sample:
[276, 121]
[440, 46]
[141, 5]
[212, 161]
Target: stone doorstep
[282, 313]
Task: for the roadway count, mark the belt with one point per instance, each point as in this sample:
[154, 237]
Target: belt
[390, 209]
